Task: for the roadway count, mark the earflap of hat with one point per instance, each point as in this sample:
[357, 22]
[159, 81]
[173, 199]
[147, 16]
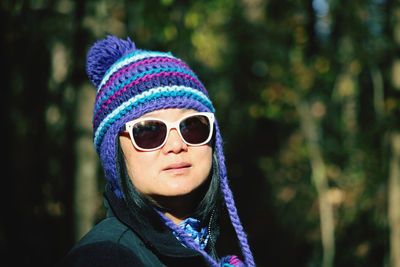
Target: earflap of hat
[109, 159]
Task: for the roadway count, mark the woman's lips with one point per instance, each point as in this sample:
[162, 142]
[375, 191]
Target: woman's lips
[177, 168]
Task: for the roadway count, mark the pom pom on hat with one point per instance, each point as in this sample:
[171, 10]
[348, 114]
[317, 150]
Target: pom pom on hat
[103, 54]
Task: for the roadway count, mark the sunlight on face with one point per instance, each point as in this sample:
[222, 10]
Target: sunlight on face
[176, 169]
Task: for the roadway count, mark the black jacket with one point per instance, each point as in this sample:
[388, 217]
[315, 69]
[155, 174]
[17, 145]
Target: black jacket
[122, 240]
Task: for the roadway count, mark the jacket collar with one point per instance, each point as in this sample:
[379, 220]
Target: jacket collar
[162, 240]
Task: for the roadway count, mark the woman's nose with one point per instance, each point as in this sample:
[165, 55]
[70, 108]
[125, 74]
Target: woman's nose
[174, 143]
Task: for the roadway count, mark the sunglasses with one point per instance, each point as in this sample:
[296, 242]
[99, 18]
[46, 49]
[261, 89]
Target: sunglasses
[148, 134]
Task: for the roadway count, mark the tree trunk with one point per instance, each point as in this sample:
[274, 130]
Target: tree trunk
[394, 200]
[86, 196]
[319, 179]
[394, 163]
[379, 97]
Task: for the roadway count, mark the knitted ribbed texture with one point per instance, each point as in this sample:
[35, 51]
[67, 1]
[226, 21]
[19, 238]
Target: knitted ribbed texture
[130, 83]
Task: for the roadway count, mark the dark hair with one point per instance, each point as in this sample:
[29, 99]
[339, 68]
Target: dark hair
[142, 207]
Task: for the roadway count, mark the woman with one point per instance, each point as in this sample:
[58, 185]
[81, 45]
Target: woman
[161, 150]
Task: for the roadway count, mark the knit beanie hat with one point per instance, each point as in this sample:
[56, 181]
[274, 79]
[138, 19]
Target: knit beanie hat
[131, 82]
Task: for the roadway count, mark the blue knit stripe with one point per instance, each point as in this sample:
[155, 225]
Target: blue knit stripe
[150, 95]
[128, 59]
[111, 91]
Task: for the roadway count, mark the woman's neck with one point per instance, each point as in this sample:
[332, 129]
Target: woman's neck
[177, 208]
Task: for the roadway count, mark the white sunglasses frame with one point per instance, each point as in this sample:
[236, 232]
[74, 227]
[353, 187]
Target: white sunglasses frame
[171, 125]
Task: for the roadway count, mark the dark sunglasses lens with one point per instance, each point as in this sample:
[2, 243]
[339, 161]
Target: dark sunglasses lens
[196, 129]
[149, 134]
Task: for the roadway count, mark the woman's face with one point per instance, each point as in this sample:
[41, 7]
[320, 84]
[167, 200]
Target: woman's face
[175, 169]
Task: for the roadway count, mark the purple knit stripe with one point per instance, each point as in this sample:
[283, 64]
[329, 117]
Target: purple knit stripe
[142, 88]
[135, 67]
[230, 203]
[145, 78]
[180, 79]
[108, 143]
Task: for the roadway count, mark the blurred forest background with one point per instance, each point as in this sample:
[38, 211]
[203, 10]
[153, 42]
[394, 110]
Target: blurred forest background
[307, 94]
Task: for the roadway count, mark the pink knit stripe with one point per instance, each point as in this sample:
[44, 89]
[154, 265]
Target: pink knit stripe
[133, 66]
[140, 80]
[234, 261]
